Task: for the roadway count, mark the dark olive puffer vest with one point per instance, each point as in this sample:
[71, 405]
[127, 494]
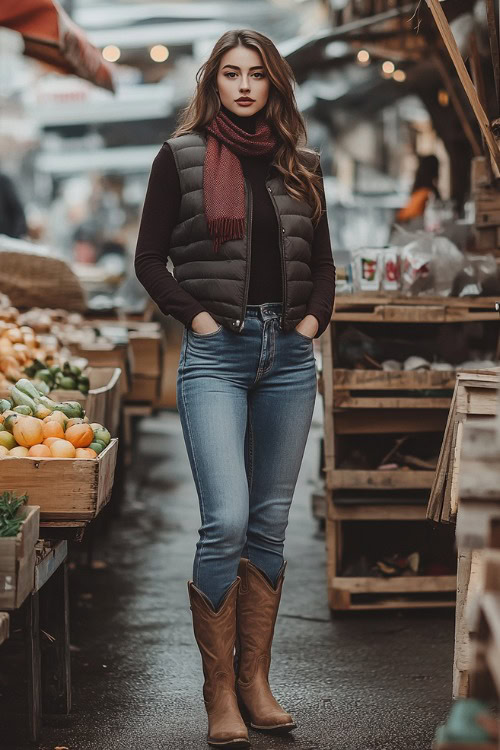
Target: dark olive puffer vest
[219, 280]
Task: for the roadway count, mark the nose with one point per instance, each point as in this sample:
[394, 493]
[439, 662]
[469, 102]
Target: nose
[244, 86]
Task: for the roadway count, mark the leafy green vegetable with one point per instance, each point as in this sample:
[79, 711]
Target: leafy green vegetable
[10, 516]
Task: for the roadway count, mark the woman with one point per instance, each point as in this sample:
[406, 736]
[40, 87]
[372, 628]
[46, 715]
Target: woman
[425, 185]
[237, 204]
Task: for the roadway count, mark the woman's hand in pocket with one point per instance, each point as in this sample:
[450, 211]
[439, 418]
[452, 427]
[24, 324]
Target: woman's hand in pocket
[203, 323]
[308, 326]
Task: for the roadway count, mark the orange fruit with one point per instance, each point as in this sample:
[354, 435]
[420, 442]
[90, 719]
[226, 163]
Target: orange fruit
[80, 435]
[28, 431]
[52, 428]
[19, 450]
[40, 450]
[85, 453]
[58, 416]
[62, 449]
[48, 441]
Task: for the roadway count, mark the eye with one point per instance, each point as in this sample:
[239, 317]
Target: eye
[260, 75]
[230, 74]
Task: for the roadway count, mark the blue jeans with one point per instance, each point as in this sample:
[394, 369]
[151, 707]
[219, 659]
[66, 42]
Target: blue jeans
[245, 402]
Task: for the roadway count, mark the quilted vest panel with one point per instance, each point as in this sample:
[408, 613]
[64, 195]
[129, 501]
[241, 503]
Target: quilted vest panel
[219, 281]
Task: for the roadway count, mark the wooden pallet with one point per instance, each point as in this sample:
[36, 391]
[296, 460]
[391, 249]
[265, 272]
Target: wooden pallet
[475, 395]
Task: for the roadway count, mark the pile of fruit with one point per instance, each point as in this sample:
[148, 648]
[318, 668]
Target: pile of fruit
[30, 346]
[69, 377]
[31, 424]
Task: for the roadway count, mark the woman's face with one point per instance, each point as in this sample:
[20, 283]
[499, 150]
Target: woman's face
[242, 81]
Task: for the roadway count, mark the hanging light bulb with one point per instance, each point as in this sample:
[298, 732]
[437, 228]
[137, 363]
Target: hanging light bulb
[159, 53]
[363, 56]
[399, 76]
[111, 53]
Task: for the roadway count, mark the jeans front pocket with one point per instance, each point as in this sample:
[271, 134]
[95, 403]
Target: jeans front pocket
[205, 335]
[302, 335]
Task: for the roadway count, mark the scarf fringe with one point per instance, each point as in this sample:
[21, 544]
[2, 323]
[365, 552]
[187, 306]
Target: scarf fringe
[224, 229]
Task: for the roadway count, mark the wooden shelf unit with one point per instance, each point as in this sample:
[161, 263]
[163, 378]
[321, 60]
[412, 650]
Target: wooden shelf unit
[375, 402]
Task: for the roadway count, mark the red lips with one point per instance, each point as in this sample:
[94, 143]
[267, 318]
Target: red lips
[245, 99]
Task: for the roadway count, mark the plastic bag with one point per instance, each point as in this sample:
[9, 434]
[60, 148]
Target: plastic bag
[429, 265]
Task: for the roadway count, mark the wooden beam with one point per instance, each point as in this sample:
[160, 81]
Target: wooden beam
[457, 105]
[451, 45]
[494, 47]
[478, 79]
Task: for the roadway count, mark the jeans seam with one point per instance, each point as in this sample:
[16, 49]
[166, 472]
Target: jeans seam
[202, 502]
[250, 449]
[272, 347]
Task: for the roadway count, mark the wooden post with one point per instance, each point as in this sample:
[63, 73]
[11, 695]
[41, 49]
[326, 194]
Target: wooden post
[495, 52]
[451, 45]
[32, 641]
[54, 622]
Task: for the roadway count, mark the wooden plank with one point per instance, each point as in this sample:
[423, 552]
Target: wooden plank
[477, 400]
[395, 585]
[436, 497]
[4, 627]
[376, 512]
[391, 480]
[343, 400]
[477, 524]
[399, 380]
[403, 421]
[451, 45]
[460, 664]
[397, 603]
[367, 299]
[17, 561]
[53, 557]
[64, 488]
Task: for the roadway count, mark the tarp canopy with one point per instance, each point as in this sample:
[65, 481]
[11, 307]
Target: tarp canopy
[51, 37]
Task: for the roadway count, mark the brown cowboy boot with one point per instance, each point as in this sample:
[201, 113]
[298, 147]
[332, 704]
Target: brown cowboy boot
[215, 633]
[258, 604]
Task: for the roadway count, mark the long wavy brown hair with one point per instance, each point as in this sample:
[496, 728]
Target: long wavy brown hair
[294, 161]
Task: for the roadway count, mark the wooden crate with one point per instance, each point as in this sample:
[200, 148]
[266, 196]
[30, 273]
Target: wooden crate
[144, 389]
[17, 559]
[64, 488]
[367, 592]
[118, 356]
[102, 403]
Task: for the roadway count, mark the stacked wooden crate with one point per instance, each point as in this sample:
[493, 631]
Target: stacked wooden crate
[376, 403]
[17, 560]
[486, 196]
[470, 495]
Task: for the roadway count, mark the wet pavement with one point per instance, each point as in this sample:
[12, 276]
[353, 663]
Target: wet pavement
[377, 681]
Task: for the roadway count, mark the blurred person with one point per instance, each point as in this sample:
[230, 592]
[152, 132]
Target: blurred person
[12, 217]
[424, 186]
[236, 201]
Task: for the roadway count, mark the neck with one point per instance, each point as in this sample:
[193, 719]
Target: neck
[247, 124]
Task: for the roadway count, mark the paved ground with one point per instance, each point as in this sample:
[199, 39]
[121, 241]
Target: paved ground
[366, 682]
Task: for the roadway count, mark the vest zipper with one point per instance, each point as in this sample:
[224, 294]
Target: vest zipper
[282, 253]
[249, 252]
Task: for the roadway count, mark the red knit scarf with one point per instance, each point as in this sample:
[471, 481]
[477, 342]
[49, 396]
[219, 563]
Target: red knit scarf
[223, 182]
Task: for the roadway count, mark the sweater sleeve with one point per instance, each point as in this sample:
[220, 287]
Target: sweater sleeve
[159, 217]
[322, 271]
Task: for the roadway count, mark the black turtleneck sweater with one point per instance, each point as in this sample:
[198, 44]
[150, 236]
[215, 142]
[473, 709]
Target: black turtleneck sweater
[159, 217]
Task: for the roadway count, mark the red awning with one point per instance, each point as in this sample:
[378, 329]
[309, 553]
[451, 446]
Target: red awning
[51, 37]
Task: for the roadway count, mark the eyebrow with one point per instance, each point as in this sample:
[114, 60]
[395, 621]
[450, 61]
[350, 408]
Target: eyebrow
[236, 67]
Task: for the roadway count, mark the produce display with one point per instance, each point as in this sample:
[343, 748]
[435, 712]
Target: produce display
[30, 345]
[31, 424]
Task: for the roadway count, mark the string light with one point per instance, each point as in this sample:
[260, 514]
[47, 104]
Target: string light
[159, 53]
[111, 53]
[388, 67]
[399, 76]
[363, 56]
